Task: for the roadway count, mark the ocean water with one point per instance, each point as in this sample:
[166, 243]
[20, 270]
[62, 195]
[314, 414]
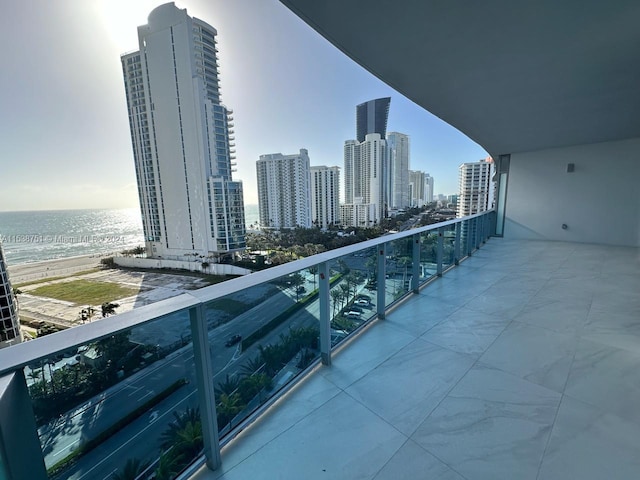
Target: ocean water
[43, 235]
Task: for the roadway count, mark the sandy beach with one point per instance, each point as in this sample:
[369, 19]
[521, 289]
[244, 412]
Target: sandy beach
[27, 272]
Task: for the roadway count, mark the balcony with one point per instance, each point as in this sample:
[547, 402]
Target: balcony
[519, 363]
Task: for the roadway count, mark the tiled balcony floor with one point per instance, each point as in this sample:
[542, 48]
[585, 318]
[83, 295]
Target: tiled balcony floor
[522, 363]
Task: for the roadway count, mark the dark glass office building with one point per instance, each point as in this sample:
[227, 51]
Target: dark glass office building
[371, 117]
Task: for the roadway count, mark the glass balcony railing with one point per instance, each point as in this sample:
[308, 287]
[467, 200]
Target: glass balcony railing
[147, 393]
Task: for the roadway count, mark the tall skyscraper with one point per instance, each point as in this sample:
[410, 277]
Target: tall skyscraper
[365, 167]
[398, 178]
[371, 117]
[476, 187]
[416, 187]
[182, 139]
[325, 196]
[284, 190]
[9, 323]
[428, 188]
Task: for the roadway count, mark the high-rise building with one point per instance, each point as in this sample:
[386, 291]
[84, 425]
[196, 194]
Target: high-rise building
[371, 117]
[365, 168]
[284, 190]
[9, 323]
[325, 196]
[420, 187]
[428, 188]
[475, 187]
[398, 178]
[182, 139]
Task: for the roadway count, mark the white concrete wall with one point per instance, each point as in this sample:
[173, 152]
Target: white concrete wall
[213, 268]
[599, 202]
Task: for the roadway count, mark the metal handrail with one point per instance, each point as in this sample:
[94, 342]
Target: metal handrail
[20, 355]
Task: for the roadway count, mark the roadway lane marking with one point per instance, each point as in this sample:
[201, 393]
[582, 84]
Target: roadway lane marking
[65, 447]
[170, 410]
[150, 392]
[135, 390]
[110, 475]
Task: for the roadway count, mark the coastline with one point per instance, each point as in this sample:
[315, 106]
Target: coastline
[26, 272]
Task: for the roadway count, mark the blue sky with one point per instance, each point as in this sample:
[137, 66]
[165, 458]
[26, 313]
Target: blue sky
[64, 133]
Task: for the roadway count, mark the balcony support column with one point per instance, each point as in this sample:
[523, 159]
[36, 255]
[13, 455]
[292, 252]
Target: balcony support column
[325, 318]
[204, 382]
[457, 243]
[440, 251]
[20, 452]
[415, 265]
[381, 282]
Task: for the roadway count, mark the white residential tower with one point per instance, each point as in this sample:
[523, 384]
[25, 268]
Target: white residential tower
[476, 187]
[284, 190]
[325, 196]
[182, 139]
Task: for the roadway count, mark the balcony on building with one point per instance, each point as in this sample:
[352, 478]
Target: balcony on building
[505, 345]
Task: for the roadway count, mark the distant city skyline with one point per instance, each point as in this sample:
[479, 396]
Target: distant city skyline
[64, 134]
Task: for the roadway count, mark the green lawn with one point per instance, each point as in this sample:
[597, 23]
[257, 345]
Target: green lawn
[85, 291]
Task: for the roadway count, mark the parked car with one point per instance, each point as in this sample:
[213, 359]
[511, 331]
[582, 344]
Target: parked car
[363, 302]
[231, 341]
[352, 314]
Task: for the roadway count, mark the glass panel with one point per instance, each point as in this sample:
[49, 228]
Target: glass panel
[352, 294]
[261, 338]
[464, 238]
[428, 255]
[398, 269]
[112, 406]
[449, 247]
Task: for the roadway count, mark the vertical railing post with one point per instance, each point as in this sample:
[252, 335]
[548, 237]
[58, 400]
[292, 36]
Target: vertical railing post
[469, 237]
[456, 247]
[478, 224]
[204, 382]
[440, 251]
[20, 452]
[415, 266]
[485, 230]
[325, 319]
[381, 281]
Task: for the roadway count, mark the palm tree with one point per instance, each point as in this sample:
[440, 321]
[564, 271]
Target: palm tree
[252, 365]
[109, 308]
[297, 280]
[181, 420]
[405, 262]
[227, 386]
[132, 470]
[169, 465]
[228, 407]
[189, 441]
[313, 271]
[335, 296]
[344, 290]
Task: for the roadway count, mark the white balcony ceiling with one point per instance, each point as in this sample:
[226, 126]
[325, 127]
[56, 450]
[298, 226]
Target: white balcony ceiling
[513, 76]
